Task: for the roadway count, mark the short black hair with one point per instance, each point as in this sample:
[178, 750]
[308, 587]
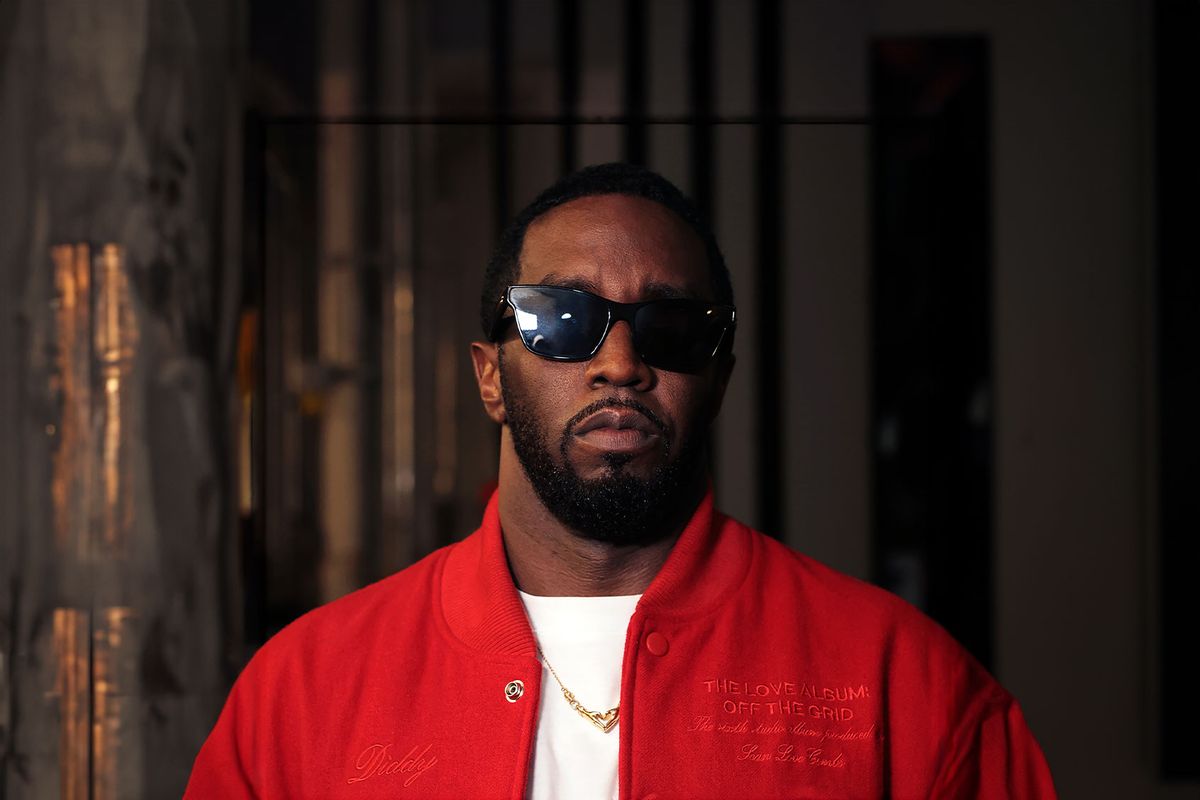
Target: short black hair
[504, 267]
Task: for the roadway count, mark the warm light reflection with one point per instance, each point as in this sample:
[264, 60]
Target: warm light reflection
[116, 337]
[70, 383]
[114, 699]
[71, 653]
[403, 391]
[94, 342]
[247, 343]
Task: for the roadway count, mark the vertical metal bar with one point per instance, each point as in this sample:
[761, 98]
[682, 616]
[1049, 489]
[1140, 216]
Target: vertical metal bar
[501, 58]
[422, 539]
[116, 650]
[372, 292]
[337, 382]
[700, 131]
[116, 336]
[71, 484]
[71, 489]
[1177, 296]
[768, 163]
[931, 372]
[253, 525]
[700, 96]
[635, 81]
[116, 734]
[397, 73]
[72, 685]
[568, 79]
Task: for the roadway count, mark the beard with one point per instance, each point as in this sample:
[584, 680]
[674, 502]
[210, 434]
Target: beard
[617, 508]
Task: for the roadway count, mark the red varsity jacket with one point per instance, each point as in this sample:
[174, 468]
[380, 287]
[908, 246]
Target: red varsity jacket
[749, 671]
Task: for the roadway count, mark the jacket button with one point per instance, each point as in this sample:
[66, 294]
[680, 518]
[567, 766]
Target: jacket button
[657, 644]
[513, 691]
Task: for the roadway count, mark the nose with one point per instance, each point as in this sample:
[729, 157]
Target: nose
[617, 362]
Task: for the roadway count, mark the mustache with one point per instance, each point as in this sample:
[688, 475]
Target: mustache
[616, 402]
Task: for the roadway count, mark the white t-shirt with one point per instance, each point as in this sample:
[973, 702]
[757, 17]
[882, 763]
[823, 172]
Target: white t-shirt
[584, 638]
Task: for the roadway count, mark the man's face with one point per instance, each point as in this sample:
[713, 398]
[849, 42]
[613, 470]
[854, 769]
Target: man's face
[613, 447]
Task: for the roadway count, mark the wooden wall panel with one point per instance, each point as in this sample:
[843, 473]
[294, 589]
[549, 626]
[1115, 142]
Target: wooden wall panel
[115, 500]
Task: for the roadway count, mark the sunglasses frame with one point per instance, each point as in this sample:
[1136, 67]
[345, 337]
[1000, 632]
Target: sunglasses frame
[617, 312]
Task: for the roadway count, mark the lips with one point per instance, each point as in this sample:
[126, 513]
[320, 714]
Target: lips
[621, 419]
[617, 430]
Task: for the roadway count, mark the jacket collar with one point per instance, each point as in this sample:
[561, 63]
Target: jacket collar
[482, 608]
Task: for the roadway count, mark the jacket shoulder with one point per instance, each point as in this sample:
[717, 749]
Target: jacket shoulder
[953, 714]
[847, 612]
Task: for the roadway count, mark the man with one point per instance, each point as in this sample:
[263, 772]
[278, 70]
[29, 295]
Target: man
[607, 633]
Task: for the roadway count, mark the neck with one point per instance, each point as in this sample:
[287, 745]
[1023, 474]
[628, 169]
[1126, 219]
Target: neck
[548, 559]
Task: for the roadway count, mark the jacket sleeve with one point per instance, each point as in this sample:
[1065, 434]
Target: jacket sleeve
[995, 756]
[220, 770]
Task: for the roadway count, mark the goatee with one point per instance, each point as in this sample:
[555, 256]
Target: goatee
[618, 507]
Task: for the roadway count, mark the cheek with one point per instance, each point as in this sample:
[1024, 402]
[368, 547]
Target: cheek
[688, 400]
[542, 387]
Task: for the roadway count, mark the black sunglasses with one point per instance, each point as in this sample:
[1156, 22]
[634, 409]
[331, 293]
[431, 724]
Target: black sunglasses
[679, 335]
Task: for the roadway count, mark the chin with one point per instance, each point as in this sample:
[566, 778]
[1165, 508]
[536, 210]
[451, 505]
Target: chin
[616, 465]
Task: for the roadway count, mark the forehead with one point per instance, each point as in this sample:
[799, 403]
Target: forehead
[625, 248]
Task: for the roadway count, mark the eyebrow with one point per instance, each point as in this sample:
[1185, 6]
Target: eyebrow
[654, 290]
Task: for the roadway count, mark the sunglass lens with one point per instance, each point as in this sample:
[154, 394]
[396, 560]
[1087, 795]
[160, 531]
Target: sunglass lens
[679, 335]
[558, 323]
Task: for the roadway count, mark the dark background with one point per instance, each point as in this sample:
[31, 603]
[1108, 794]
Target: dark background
[241, 245]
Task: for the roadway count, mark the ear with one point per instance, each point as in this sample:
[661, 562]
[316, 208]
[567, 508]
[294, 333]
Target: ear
[485, 356]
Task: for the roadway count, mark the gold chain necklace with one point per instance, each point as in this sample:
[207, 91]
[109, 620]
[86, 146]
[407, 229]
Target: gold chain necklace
[605, 722]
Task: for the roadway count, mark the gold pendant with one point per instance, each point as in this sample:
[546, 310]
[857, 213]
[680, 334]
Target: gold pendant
[605, 722]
